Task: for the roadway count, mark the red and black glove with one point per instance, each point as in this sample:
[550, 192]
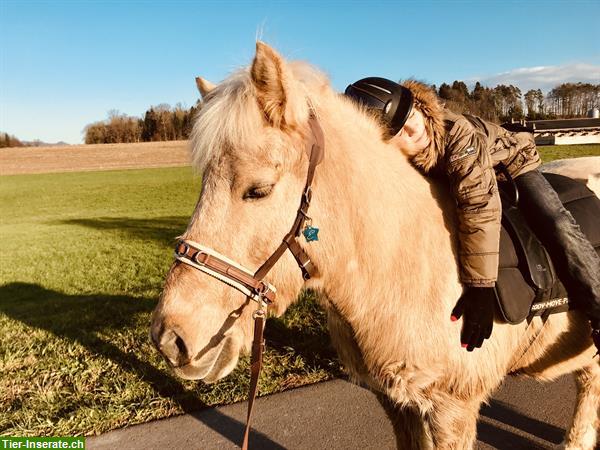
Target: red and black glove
[477, 304]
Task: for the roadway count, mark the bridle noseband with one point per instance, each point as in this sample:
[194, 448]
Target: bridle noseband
[251, 284]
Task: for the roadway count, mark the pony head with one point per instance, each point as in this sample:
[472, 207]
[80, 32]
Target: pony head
[249, 143]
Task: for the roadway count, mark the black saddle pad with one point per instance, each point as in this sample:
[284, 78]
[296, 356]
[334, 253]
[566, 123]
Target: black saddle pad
[521, 255]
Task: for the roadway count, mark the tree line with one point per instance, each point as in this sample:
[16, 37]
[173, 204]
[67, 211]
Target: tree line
[498, 104]
[504, 103]
[7, 140]
[573, 99]
[159, 123]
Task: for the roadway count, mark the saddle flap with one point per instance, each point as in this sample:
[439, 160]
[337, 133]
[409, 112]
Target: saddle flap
[534, 258]
[528, 283]
[514, 295]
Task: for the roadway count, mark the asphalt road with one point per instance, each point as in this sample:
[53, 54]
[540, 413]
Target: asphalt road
[524, 414]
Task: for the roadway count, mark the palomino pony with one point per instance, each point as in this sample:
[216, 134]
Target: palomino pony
[386, 260]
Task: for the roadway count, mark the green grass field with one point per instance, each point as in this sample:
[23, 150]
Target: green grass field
[83, 257]
[552, 152]
[82, 260]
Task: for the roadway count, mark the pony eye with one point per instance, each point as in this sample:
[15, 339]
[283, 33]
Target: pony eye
[256, 192]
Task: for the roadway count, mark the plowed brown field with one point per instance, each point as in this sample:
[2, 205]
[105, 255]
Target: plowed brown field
[75, 158]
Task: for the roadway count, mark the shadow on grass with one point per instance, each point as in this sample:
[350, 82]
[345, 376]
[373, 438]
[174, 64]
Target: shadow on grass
[162, 229]
[80, 317]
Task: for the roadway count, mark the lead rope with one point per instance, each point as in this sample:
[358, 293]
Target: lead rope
[258, 346]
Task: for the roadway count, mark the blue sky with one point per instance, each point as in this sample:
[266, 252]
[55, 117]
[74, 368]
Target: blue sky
[65, 64]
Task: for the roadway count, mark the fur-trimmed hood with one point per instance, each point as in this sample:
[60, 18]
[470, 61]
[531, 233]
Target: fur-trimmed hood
[427, 101]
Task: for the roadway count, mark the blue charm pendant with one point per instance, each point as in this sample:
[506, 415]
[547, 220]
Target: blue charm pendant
[311, 233]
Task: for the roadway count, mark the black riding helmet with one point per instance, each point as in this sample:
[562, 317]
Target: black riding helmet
[393, 100]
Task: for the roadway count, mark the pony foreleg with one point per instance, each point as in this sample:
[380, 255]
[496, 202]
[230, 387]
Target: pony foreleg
[410, 427]
[583, 432]
[453, 422]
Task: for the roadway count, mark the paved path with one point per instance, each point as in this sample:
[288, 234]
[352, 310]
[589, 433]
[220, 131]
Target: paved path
[338, 415]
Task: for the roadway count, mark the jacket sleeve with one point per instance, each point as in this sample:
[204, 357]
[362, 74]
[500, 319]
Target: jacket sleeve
[473, 181]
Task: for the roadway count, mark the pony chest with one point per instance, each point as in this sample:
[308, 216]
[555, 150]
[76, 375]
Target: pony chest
[398, 379]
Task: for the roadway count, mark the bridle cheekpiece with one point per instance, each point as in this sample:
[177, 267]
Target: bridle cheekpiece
[251, 284]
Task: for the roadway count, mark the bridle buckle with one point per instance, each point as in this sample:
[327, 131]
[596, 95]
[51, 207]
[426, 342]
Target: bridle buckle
[180, 253]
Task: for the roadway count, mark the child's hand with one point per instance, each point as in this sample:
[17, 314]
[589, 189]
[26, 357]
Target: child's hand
[477, 304]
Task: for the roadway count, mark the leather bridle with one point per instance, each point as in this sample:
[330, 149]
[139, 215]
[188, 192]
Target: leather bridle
[253, 284]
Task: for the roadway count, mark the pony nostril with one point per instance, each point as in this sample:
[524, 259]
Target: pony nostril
[173, 348]
[180, 345]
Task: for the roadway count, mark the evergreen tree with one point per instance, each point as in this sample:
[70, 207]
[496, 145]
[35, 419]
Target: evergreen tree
[150, 126]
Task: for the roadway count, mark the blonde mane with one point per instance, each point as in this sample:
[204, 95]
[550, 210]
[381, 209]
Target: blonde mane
[224, 120]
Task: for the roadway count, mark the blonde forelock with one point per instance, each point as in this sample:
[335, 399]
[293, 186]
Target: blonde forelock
[230, 116]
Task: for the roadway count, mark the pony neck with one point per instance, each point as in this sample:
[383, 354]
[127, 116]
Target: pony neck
[377, 216]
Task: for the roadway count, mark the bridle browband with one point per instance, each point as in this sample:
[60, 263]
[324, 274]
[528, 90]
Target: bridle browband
[252, 284]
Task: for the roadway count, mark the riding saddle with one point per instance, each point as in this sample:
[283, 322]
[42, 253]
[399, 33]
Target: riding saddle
[528, 284]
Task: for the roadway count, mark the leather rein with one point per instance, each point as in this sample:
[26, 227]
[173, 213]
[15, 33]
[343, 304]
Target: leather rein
[252, 284]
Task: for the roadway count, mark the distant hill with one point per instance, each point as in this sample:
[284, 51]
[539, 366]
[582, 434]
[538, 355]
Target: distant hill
[7, 140]
[38, 143]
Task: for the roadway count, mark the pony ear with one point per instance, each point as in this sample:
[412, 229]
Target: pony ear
[275, 86]
[204, 86]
